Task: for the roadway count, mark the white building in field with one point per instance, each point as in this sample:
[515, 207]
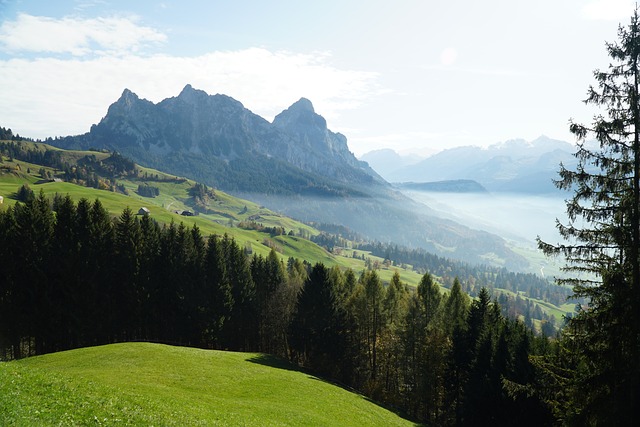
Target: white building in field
[1, 200]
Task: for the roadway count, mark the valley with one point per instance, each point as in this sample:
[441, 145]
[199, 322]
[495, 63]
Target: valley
[294, 165]
[518, 218]
[226, 214]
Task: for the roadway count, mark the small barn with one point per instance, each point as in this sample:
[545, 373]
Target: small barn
[143, 211]
[187, 213]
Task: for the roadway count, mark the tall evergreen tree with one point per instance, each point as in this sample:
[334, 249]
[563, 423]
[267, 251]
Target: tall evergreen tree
[269, 276]
[123, 296]
[603, 240]
[316, 331]
[63, 273]
[394, 307]
[434, 349]
[218, 296]
[100, 264]
[456, 375]
[240, 331]
[374, 320]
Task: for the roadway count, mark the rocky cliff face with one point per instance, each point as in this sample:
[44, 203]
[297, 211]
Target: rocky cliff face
[316, 147]
[218, 128]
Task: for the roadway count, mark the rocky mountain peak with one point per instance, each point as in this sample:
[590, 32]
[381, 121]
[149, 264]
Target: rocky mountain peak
[300, 114]
[127, 103]
[196, 127]
[303, 104]
[127, 98]
[191, 95]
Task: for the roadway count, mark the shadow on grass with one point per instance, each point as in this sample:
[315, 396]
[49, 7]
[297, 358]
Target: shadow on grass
[279, 363]
[276, 362]
[398, 411]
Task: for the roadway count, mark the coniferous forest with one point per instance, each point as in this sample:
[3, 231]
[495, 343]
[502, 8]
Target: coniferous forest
[74, 277]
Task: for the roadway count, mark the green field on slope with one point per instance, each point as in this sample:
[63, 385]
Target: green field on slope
[153, 384]
[174, 196]
[225, 213]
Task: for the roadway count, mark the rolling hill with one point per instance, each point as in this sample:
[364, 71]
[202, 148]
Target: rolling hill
[225, 213]
[152, 384]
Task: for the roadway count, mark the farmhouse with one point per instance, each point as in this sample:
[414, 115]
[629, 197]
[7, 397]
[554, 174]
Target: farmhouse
[143, 211]
[187, 213]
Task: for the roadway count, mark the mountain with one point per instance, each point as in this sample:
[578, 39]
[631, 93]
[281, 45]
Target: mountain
[315, 148]
[213, 138]
[512, 166]
[387, 162]
[294, 165]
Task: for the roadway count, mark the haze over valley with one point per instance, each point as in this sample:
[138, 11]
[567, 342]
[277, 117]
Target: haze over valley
[506, 188]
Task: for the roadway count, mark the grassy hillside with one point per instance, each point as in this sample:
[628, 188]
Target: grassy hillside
[222, 214]
[226, 211]
[152, 384]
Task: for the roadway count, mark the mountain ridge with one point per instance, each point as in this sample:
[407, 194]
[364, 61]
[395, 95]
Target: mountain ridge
[220, 128]
[294, 165]
[514, 165]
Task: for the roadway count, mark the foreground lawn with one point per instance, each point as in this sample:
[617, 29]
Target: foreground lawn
[152, 384]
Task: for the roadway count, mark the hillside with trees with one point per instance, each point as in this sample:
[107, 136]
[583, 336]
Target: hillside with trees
[75, 278]
[526, 297]
[295, 165]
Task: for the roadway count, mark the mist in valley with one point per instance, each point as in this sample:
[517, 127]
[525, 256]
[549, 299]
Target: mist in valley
[519, 218]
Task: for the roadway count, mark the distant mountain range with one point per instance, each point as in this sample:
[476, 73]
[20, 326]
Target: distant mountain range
[512, 166]
[294, 165]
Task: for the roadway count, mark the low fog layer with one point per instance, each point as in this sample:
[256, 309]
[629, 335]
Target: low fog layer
[518, 217]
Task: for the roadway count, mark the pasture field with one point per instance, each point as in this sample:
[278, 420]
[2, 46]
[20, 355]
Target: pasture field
[153, 384]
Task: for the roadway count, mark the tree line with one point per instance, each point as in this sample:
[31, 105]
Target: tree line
[475, 277]
[73, 276]
[88, 171]
[7, 135]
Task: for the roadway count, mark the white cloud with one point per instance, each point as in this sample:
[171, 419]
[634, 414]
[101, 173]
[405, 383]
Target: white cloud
[76, 36]
[51, 96]
[608, 10]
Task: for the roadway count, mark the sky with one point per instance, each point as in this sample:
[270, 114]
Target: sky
[416, 76]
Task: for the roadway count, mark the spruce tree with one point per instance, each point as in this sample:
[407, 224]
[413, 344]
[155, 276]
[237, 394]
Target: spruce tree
[602, 241]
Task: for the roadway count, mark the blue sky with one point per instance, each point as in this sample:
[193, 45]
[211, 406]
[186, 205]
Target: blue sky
[412, 75]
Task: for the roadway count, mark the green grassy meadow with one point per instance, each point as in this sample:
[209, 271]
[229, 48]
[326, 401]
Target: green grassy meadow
[153, 384]
[174, 196]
